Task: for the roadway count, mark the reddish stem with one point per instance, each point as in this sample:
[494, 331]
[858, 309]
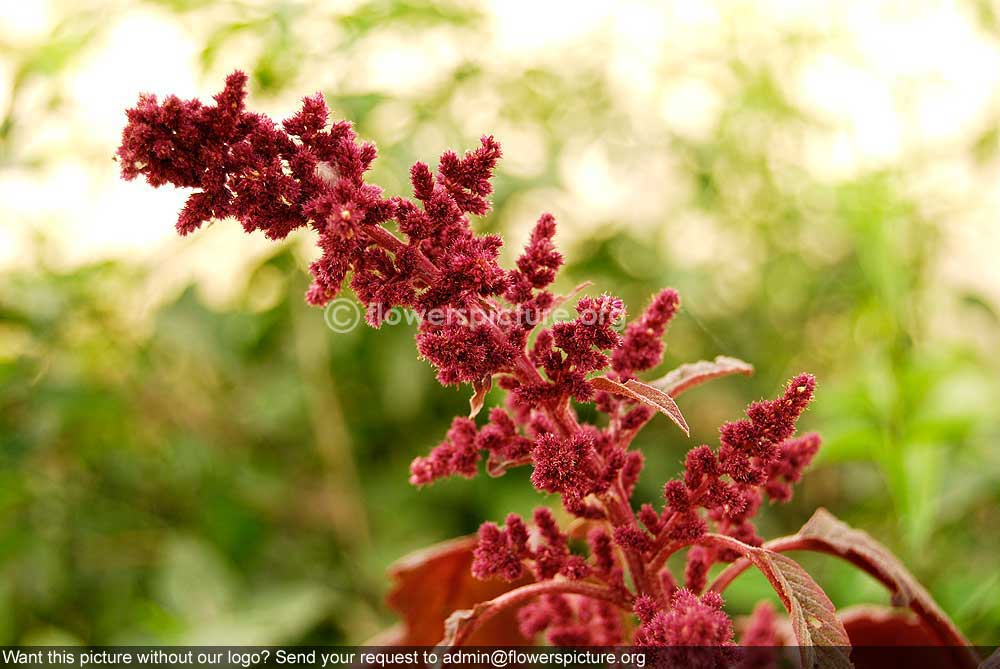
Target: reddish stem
[668, 549]
[382, 237]
[729, 574]
[620, 514]
[486, 610]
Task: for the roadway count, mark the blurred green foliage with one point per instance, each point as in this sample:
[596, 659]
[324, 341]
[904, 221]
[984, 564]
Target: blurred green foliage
[181, 472]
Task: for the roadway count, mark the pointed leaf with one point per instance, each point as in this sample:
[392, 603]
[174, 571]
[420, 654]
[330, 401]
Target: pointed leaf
[432, 583]
[693, 374]
[825, 533]
[646, 394]
[457, 624]
[812, 614]
[819, 634]
[479, 390]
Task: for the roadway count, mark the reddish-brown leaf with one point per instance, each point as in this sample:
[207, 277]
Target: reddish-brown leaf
[872, 625]
[812, 614]
[479, 390]
[881, 634]
[457, 624]
[432, 583]
[693, 374]
[646, 394]
[819, 634]
[825, 533]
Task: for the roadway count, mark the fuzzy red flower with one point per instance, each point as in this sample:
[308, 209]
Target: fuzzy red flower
[689, 621]
[642, 347]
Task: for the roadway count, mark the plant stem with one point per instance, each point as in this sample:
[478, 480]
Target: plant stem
[388, 241]
[487, 610]
[730, 573]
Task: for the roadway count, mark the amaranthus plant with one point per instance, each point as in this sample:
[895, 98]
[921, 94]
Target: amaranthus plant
[481, 324]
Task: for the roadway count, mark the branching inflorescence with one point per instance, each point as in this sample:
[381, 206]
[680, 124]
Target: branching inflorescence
[482, 324]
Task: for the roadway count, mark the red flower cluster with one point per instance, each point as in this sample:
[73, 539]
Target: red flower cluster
[481, 324]
[689, 621]
[572, 620]
[721, 491]
[758, 457]
[643, 345]
[505, 552]
[270, 178]
[458, 455]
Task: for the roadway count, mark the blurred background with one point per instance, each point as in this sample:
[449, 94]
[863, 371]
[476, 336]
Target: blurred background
[187, 453]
